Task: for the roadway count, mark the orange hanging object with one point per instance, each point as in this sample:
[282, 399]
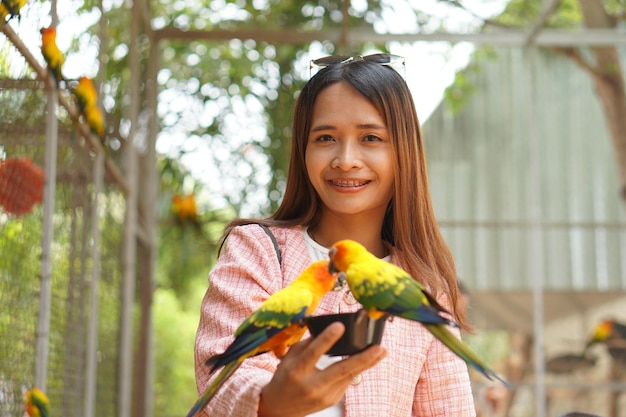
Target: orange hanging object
[21, 185]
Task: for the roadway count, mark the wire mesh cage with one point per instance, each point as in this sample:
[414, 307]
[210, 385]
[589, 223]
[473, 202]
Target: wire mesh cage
[22, 145]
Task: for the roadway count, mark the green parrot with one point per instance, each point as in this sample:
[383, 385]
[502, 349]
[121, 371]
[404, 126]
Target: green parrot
[385, 289]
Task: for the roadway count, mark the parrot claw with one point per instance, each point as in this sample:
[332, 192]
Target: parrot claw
[453, 323]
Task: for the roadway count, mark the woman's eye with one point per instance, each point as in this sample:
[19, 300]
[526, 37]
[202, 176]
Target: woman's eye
[324, 138]
[372, 138]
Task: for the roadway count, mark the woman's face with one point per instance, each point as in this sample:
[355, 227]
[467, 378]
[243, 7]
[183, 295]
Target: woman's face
[349, 156]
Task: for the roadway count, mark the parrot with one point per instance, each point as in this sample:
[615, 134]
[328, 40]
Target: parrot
[385, 289]
[185, 208]
[37, 404]
[613, 335]
[51, 53]
[87, 100]
[278, 323]
[85, 93]
[95, 120]
[10, 8]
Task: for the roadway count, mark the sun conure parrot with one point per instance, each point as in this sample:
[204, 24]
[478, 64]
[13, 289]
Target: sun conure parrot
[185, 208]
[87, 100]
[36, 402]
[51, 53]
[85, 93]
[385, 289]
[613, 335]
[95, 120]
[10, 8]
[278, 323]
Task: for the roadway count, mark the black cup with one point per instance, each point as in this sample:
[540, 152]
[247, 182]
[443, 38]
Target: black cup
[361, 331]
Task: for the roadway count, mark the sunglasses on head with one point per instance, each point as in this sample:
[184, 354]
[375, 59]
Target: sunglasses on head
[381, 59]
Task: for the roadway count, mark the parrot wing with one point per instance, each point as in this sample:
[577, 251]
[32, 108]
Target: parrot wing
[274, 326]
[259, 333]
[253, 337]
[86, 93]
[212, 389]
[388, 288]
[37, 403]
[282, 310]
[462, 350]
[41, 402]
[95, 120]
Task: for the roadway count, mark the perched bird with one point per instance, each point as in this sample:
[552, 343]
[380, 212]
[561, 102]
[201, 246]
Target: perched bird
[11, 8]
[278, 323]
[385, 289]
[87, 101]
[51, 53]
[85, 93]
[95, 120]
[613, 335]
[570, 362]
[36, 402]
[185, 208]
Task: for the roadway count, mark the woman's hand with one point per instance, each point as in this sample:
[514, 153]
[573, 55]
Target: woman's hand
[298, 388]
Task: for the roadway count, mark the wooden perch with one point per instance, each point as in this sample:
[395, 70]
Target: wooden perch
[92, 141]
[83, 129]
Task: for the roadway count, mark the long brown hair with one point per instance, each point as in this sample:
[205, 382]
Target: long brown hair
[410, 224]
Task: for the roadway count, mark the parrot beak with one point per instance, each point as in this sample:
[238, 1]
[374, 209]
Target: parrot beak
[341, 278]
[341, 281]
[332, 268]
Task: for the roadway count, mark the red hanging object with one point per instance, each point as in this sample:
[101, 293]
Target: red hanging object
[21, 185]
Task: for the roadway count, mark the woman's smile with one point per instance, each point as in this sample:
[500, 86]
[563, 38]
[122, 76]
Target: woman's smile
[349, 184]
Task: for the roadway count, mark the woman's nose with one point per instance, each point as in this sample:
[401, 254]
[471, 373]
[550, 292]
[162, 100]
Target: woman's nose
[348, 157]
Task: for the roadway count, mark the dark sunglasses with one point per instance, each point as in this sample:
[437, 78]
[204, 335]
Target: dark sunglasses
[381, 59]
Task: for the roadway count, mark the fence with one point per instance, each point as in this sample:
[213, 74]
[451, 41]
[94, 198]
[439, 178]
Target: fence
[22, 137]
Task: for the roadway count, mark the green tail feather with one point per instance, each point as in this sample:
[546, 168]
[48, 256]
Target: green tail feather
[212, 389]
[462, 350]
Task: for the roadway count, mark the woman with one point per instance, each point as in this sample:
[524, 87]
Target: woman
[357, 171]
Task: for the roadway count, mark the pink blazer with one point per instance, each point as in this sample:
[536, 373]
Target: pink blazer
[419, 377]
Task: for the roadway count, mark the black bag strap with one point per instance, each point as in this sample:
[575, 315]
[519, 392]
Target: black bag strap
[274, 242]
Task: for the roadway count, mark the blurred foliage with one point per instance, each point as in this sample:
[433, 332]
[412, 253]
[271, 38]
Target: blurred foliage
[493, 345]
[186, 250]
[18, 282]
[458, 93]
[204, 84]
[520, 14]
[175, 327]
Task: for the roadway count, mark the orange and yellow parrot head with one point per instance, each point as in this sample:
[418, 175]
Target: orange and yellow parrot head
[601, 333]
